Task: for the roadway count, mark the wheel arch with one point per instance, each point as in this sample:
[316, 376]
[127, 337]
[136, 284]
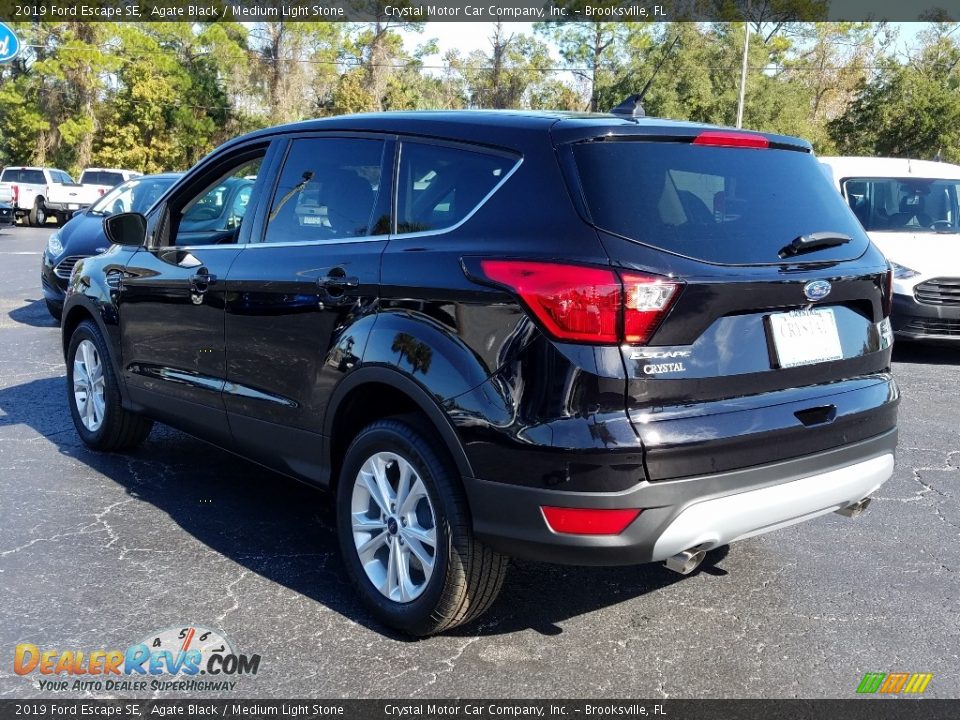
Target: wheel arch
[349, 410]
[75, 311]
[72, 317]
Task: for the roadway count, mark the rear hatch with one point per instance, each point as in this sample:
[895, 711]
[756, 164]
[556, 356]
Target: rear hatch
[773, 341]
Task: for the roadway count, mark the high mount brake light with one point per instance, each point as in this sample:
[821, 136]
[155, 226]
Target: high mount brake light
[587, 304]
[723, 138]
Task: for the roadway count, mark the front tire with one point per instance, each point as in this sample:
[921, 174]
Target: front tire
[94, 395]
[405, 533]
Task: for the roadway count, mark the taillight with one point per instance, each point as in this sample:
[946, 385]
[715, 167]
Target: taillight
[887, 292]
[15, 193]
[572, 302]
[726, 138]
[646, 300]
[587, 304]
[100, 192]
[588, 521]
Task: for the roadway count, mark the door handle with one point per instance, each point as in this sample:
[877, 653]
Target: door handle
[338, 281]
[201, 281]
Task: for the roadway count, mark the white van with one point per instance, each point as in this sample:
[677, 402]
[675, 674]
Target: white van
[911, 211]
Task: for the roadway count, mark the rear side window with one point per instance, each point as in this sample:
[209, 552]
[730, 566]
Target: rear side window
[32, 177]
[441, 185]
[905, 204]
[716, 204]
[327, 191]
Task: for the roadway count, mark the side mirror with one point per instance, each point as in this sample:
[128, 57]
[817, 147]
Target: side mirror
[127, 228]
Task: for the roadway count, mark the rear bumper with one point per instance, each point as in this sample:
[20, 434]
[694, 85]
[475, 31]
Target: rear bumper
[704, 511]
[65, 207]
[913, 320]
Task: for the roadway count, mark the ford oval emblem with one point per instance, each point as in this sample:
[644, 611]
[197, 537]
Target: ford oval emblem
[9, 44]
[816, 290]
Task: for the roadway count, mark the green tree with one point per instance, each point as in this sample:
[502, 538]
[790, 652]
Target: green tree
[593, 51]
[908, 110]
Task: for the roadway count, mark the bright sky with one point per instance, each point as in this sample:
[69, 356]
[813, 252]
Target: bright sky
[468, 36]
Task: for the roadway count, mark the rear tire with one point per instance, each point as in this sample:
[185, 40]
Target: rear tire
[464, 576]
[94, 395]
[38, 215]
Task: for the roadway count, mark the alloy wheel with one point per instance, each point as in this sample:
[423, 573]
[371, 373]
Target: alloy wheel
[89, 392]
[394, 527]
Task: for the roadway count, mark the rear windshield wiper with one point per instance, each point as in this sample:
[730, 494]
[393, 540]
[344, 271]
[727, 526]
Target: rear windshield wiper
[814, 241]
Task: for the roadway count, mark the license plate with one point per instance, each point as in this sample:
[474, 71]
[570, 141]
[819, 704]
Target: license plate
[804, 337]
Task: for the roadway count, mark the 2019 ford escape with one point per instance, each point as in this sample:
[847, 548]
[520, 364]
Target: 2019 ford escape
[583, 339]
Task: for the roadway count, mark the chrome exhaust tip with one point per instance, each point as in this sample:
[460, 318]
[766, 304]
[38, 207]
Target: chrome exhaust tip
[685, 562]
[852, 511]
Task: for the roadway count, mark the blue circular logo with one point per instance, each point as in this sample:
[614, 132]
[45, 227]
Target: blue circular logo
[9, 44]
[816, 290]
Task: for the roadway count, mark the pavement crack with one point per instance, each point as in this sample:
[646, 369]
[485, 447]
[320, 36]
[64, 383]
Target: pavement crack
[232, 594]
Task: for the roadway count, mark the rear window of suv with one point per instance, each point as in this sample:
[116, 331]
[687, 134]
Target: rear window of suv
[721, 205]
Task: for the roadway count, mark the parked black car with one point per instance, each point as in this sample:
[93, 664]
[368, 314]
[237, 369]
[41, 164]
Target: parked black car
[83, 235]
[7, 216]
[582, 339]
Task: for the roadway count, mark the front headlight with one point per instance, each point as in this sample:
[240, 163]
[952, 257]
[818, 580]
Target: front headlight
[54, 246]
[901, 272]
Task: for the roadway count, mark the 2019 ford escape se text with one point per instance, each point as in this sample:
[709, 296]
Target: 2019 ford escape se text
[582, 339]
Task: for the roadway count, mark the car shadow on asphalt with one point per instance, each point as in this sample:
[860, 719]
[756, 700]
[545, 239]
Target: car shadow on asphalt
[540, 597]
[925, 353]
[285, 531]
[33, 313]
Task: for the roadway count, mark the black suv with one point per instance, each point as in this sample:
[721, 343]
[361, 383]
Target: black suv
[583, 339]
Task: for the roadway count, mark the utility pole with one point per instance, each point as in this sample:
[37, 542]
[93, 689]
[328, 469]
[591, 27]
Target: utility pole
[743, 69]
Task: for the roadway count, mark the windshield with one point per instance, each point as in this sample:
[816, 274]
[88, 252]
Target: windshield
[137, 195]
[904, 204]
[721, 205]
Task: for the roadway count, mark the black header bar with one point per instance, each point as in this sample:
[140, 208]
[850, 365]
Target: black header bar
[477, 10]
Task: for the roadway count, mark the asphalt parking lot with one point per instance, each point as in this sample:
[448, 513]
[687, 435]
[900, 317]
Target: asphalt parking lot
[98, 551]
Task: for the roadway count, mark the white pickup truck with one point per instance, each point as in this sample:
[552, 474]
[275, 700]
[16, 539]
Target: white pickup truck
[40, 193]
[97, 182]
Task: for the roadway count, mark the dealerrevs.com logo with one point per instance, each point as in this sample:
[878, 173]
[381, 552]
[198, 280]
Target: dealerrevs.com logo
[171, 659]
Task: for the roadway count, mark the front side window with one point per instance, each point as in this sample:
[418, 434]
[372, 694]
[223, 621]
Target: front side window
[214, 216]
[441, 185]
[328, 190]
[904, 204]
